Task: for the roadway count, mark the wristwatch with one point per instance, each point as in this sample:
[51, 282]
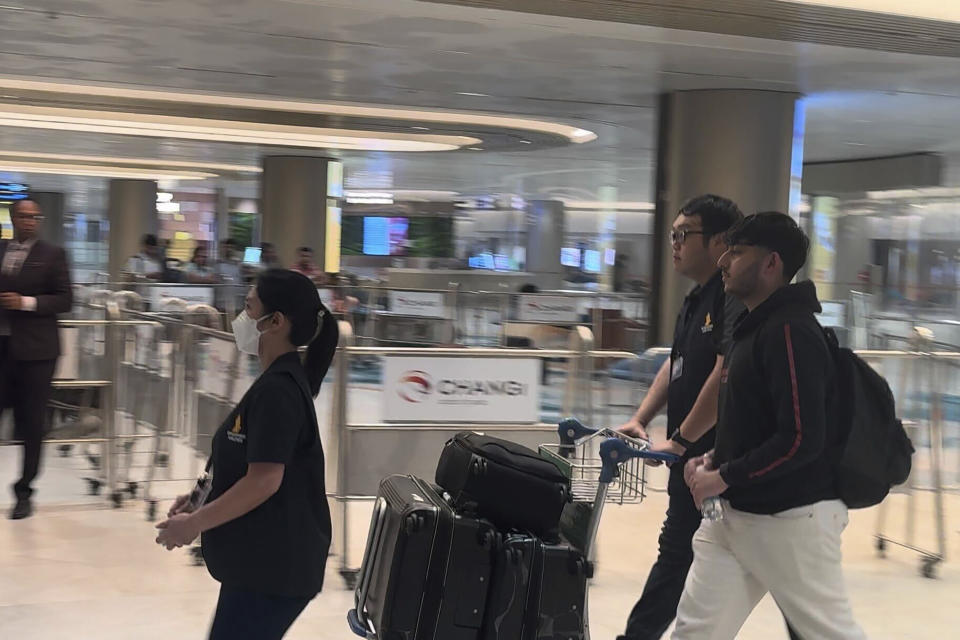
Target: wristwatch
[680, 440]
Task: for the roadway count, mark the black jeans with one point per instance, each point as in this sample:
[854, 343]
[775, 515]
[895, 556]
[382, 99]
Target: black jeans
[25, 386]
[242, 613]
[657, 607]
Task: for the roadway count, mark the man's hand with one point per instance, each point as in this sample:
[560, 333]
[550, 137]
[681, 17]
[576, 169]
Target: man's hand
[668, 446]
[180, 505]
[706, 484]
[634, 429]
[691, 467]
[178, 531]
[10, 300]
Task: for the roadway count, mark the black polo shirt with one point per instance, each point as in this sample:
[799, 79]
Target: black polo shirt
[280, 547]
[704, 330]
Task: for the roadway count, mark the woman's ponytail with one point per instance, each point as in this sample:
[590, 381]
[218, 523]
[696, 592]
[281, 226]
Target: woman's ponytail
[321, 350]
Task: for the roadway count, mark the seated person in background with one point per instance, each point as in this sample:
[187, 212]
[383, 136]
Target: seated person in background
[199, 270]
[148, 264]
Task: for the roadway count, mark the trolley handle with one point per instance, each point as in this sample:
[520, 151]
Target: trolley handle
[570, 430]
[613, 451]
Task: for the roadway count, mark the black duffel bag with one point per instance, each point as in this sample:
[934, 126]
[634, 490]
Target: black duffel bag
[503, 481]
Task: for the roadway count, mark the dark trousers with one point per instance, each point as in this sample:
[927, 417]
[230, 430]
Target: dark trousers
[25, 386]
[657, 607]
[242, 613]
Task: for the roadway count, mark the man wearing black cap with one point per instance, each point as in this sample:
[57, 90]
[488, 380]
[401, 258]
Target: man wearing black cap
[782, 517]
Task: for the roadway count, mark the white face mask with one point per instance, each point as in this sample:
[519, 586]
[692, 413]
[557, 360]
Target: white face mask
[246, 334]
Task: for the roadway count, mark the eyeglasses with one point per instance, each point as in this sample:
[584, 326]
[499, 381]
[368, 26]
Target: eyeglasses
[36, 218]
[679, 236]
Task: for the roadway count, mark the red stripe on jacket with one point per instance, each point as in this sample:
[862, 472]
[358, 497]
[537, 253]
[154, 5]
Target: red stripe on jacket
[796, 409]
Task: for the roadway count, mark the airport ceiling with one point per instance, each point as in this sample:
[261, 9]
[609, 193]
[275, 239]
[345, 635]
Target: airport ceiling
[586, 75]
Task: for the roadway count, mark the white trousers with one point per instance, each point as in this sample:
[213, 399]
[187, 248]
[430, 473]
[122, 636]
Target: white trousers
[794, 555]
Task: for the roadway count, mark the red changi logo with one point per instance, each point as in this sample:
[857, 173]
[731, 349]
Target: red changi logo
[415, 386]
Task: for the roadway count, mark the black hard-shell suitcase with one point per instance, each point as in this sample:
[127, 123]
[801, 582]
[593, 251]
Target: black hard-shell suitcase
[538, 592]
[426, 569]
[504, 481]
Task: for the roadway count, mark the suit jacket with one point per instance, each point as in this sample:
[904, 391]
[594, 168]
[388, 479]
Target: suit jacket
[46, 277]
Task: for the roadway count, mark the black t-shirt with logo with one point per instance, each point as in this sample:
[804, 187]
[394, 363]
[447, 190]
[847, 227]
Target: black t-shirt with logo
[703, 331]
[280, 547]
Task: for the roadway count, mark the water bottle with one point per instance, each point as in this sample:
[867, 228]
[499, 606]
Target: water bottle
[712, 509]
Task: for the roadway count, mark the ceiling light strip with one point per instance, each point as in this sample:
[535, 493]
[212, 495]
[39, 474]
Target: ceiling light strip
[574, 134]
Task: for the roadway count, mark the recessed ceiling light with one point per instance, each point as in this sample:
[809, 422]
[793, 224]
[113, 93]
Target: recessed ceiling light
[472, 94]
[475, 148]
[421, 128]
[525, 142]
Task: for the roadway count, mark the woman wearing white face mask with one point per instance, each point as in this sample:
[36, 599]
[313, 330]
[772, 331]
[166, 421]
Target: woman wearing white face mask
[266, 524]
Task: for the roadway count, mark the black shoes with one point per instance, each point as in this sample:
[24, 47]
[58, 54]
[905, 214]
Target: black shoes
[23, 509]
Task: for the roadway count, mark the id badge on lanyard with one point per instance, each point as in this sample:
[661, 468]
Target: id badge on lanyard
[677, 369]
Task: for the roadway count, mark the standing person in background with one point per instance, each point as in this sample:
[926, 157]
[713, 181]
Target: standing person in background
[268, 257]
[307, 266]
[687, 384]
[149, 263]
[266, 525]
[230, 275]
[782, 516]
[199, 270]
[34, 288]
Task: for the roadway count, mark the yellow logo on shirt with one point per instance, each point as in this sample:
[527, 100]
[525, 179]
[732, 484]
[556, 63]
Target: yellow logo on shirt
[707, 325]
[234, 434]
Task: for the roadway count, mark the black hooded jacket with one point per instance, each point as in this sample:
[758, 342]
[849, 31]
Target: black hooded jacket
[776, 412]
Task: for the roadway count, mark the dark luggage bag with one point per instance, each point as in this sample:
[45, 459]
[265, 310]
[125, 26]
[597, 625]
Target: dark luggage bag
[505, 482]
[539, 591]
[426, 570]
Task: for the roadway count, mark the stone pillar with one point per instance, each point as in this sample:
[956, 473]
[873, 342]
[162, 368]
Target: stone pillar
[132, 212]
[744, 145]
[545, 226]
[299, 206]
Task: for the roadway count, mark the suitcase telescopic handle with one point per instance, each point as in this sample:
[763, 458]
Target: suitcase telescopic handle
[614, 451]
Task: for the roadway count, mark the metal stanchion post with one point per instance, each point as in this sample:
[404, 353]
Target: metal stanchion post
[341, 442]
[110, 401]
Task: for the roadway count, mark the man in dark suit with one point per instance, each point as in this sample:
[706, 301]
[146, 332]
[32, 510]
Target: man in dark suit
[34, 288]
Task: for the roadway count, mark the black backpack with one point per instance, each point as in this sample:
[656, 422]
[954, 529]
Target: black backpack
[874, 452]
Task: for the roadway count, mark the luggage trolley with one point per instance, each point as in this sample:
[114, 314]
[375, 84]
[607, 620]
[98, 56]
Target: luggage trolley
[604, 466]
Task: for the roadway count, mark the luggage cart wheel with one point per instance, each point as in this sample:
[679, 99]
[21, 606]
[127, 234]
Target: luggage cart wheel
[928, 567]
[65, 450]
[881, 547]
[151, 511]
[93, 486]
[350, 578]
[162, 460]
[197, 552]
[132, 488]
[117, 499]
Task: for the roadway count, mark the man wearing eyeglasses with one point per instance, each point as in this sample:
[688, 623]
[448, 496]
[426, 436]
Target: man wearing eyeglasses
[34, 288]
[688, 384]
